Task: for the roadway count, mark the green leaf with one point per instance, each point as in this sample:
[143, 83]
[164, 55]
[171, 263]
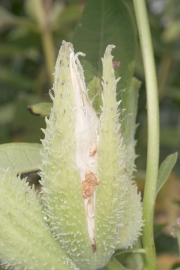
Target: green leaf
[128, 121]
[165, 170]
[20, 157]
[95, 92]
[40, 109]
[107, 22]
[22, 118]
[129, 107]
[62, 17]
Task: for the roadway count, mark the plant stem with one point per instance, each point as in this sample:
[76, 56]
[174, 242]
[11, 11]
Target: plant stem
[153, 133]
[46, 35]
[138, 257]
[48, 47]
[113, 264]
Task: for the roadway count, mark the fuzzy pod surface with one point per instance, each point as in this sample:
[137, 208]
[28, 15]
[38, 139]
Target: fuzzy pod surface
[25, 238]
[87, 193]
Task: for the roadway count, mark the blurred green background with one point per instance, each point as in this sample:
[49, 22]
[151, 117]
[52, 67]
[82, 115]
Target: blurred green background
[30, 37]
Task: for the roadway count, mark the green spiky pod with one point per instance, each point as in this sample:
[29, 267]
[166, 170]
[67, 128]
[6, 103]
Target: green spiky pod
[61, 172]
[25, 238]
[132, 214]
[118, 205]
[132, 218]
[84, 176]
[110, 199]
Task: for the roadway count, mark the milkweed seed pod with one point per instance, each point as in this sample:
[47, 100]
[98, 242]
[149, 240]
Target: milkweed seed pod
[25, 238]
[91, 204]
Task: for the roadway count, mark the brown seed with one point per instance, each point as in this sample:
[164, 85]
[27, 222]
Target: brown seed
[94, 248]
[87, 189]
[91, 178]
[115, 63]
[88, 185]
[93, 150]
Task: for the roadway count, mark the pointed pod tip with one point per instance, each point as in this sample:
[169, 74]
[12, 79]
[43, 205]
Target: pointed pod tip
[67, 44]
[110, 48]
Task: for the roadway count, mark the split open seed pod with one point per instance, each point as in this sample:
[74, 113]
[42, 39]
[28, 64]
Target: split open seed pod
[91, 203]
